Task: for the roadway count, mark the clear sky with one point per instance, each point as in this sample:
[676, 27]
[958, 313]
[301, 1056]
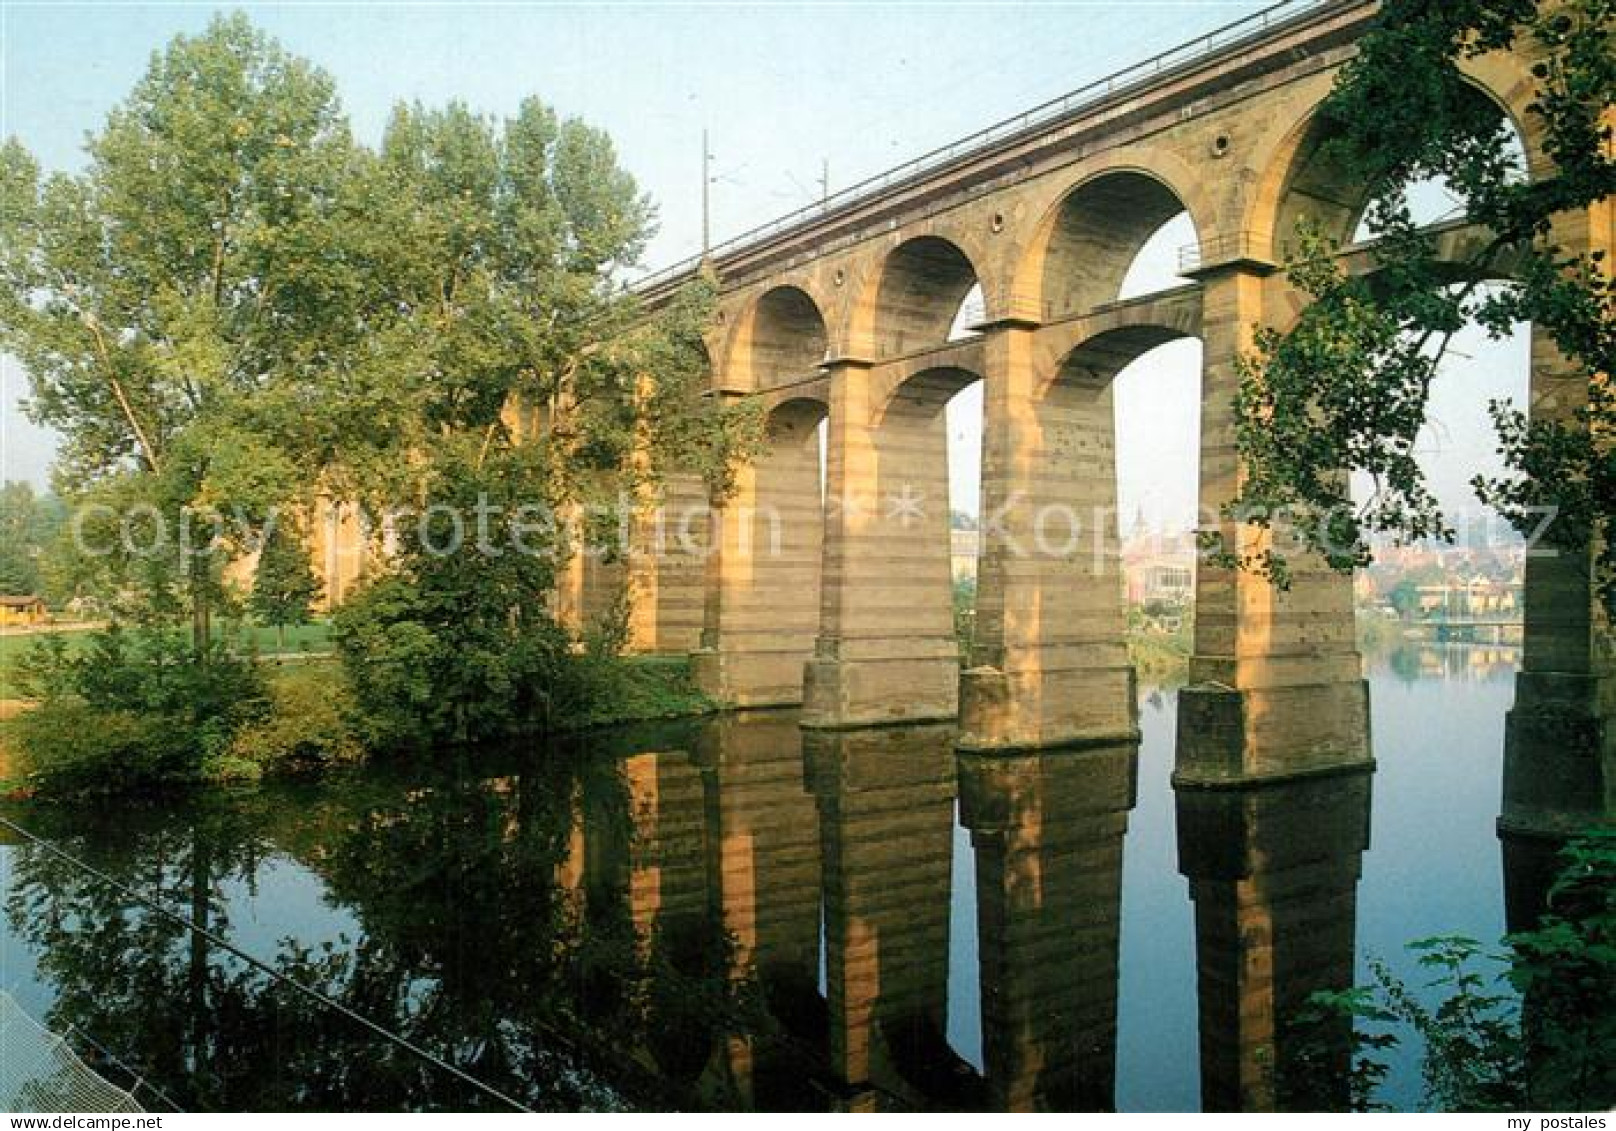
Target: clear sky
[781, 88]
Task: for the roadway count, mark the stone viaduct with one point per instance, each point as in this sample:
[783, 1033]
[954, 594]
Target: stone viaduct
[828, 585]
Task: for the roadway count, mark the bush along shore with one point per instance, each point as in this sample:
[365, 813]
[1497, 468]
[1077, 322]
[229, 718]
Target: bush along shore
[139, 709]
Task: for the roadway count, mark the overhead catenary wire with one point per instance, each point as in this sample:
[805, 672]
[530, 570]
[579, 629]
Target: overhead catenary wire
[224, 944]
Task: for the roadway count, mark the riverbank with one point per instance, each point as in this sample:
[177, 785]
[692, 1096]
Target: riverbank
[1159, 657]
[309, 724]
[643, 689]
[312, 720]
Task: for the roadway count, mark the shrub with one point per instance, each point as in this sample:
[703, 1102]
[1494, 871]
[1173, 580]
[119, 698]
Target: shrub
[428, 666]
[134, 709]
[1538, 1036]
[457, 644]
[69, 746]
[309, 723]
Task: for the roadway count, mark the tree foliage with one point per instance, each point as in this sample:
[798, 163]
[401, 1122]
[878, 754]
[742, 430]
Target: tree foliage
[1539, 1036]
[457, 644]
[1347, 389]
[284, 585]
[155, 297]
[236, 308]
[132, 710]
[28, 522]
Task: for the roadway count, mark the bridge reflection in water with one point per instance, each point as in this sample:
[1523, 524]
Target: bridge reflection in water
[1273, 871]
[1272, 868]
[820, 862]
[738, 913]
[1048, 832]
[834, 850]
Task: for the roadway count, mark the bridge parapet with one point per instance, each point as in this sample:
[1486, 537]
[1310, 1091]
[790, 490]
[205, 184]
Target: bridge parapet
[857, 213]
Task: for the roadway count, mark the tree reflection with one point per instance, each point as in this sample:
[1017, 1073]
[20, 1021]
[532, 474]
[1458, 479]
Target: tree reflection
[491, 933]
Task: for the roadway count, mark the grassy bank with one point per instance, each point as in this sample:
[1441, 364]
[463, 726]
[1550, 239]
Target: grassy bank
[642, 689]
[311, 638]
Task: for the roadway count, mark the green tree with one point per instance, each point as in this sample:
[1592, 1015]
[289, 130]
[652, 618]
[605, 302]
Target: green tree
[1405, 598]
[520, 385]
[28, 521]
[132, 710]
[236, 308]
[1346, 390]
[493, 252]
[452, 644]
[164, 299]
[284, 585]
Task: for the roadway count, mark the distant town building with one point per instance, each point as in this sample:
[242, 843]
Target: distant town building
[1476, 598]
[963, 548]
[1159, 568]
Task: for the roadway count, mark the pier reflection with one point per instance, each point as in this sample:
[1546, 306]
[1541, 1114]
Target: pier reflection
[763, 880]
[743, 914]
[886, 822]
[1048, 831]
[1273, 869]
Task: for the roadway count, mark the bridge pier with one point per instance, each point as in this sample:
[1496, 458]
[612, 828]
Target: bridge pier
[1560, 737]
[659, 571]
[1276, 682]
[886, 650]
[670, 568]
[587, 582]
[762, 599]
[1048, 664]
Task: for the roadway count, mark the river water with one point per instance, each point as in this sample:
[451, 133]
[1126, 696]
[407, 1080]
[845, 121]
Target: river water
[723, 913]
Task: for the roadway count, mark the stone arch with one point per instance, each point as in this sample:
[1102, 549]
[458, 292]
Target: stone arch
[1298, 181]
[781, 337]
[789, 483]
[911, 297]
[792, 420]
[1179, 311]
[1076, 421]
[924, 394]
[911, 438]
[1506, 79]
[1085, 242]
[1095, 362]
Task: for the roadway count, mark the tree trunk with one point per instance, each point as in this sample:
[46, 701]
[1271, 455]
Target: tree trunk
[197, 972]
[201, 613]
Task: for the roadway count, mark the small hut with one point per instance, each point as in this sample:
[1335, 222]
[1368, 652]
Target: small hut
[21, 610]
